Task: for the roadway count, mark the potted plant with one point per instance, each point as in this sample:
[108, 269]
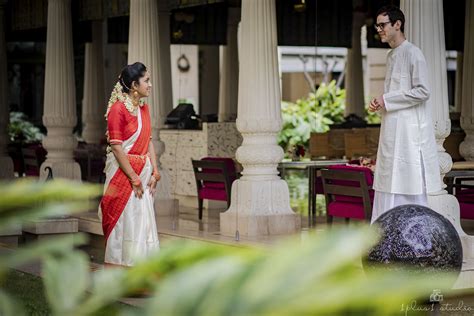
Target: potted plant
[23, 133]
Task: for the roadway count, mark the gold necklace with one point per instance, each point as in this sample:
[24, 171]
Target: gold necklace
[118, 94]
[132, 108]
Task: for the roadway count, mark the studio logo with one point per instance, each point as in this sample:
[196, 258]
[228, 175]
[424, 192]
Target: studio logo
[436, 296]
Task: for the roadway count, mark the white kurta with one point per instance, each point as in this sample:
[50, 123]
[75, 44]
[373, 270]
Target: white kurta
[407, 153]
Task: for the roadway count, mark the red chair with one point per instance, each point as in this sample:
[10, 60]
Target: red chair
[465, 195]
[315, 188]
[214, 177]
[348, 192]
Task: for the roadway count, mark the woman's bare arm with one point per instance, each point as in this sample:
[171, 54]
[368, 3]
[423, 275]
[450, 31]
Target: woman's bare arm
[151, 151]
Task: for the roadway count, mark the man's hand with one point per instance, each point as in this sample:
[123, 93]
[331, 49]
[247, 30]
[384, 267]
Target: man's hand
[376, 104]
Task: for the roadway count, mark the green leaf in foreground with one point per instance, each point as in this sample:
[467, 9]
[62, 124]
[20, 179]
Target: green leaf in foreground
[28, 200]
[321, 276]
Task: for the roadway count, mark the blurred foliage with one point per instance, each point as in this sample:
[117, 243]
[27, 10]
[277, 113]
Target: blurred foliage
[30, 200]
[23, 131]
[320, 275]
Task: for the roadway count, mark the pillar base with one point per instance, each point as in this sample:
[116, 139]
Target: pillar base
[166, 207]
[163, 187]
[6, 172]
[259, 208]
[448, 206]
[68, 169]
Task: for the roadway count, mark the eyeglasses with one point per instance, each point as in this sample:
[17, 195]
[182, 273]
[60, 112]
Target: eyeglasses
[381, 25]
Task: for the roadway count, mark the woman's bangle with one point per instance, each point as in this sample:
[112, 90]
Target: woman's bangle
[135, 181]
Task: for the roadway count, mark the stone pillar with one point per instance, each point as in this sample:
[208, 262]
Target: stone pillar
[229, 69]
[458, 83]
[164, 54]
[208, 79]
[59, 114]
[94, 102]
[150, 45]
[354, 74]
[6, 171]
[422, 18]
[466, 148]
[260, 199]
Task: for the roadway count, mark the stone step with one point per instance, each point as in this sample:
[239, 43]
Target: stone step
[10, 237]
[46, 228]
[89, 223]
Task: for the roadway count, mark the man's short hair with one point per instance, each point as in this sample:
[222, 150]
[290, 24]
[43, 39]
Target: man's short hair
[394, 14]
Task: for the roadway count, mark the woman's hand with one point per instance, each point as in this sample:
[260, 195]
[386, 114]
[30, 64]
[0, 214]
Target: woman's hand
[137, 187]
[152, 185]
[156, 174]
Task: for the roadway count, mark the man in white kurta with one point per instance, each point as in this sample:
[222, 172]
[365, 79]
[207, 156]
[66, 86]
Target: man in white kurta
[407, 165]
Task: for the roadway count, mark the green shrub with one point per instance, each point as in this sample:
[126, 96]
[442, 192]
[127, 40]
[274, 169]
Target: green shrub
[22, 130]
[315, 114]
[312, 114]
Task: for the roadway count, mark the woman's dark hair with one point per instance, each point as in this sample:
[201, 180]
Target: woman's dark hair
[394, 14]
[131, 73]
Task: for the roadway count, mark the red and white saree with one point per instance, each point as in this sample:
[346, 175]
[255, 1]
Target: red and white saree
[128, 222]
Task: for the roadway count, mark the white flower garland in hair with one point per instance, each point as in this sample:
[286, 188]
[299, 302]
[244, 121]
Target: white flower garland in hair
[118, 95]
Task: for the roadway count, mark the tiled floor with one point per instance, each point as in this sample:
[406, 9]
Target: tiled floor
[185, 224]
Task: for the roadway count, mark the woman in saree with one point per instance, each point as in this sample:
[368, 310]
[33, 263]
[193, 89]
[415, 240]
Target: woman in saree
[126, 209]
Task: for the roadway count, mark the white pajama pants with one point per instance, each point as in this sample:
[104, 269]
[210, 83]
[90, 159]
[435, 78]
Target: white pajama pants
[384, 201]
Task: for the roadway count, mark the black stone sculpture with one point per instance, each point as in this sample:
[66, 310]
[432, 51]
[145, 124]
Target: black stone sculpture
[417, 237]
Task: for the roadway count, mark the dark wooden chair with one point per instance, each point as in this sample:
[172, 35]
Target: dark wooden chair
[348, 193]
[33, 157]
[214, 177]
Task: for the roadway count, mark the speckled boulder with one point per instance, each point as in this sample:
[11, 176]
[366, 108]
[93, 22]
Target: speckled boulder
[416, 236]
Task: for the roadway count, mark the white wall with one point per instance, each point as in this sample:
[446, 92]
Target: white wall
[185, 84]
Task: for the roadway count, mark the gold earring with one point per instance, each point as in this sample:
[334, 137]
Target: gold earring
[135, 93]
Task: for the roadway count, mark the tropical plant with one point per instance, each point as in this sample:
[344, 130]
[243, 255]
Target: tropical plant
[22, 130]
[27, 200]
[312, 114]
[321, 275]
[315, 114]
